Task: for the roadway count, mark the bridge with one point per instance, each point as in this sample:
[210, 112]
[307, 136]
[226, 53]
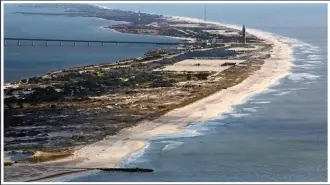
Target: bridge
[89, 42]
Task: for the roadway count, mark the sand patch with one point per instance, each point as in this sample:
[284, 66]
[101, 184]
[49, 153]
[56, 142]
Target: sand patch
[200, 65]
[222, 32]
[243, 49]
[186, 25]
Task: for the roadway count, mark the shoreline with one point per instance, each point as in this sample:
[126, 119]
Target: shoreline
[131, 140]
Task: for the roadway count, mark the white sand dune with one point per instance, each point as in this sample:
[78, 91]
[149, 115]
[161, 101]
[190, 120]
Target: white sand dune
[199, 65]
[222, 32]
[243, 49]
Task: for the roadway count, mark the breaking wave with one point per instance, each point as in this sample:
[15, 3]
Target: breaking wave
[314, 57]
[261, 102]
[314, 62]
[282, 93]
[134, 157]
[239, 115]
[251, 109]
[171, 145]
[302, 76]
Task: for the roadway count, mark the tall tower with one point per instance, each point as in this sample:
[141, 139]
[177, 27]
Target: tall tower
[139, 17]
[243, 35]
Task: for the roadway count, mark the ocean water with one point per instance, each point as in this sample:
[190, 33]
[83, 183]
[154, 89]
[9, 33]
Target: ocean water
[26, 61]
[278, 135]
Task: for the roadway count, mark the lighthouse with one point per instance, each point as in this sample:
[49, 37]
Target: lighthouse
[243, 35]
[139, 16]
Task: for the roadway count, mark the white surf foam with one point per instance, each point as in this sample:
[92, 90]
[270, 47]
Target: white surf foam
[261, 102]
[309, 82]
[314, 48]
[307, 51]
[190, 131]
[282, 93]
[302, 44]
[133, 157]
[171, 145]
[314, 57]
[271, 90]
[304, 48]
[314, 62]
[296, 89]
[222, 117]
[239, 115]
[302, 76]
[254, 109]
[187, 133]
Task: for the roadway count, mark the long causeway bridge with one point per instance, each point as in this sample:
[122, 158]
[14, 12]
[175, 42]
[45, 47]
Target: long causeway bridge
[59, 42]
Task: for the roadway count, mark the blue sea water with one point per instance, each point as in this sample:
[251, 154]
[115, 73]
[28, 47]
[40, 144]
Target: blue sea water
[278, 135]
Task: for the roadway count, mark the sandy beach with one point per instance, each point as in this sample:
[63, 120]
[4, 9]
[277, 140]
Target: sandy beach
[111, 150]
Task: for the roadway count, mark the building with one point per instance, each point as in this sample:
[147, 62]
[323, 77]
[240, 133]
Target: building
[243, 35]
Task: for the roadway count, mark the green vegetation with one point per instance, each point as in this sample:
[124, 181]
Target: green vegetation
[8, 164]
[38, 159]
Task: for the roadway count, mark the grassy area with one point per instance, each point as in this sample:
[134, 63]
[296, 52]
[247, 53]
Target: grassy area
[176, 79]
[44, 158]
[8, 164]
[48, 154]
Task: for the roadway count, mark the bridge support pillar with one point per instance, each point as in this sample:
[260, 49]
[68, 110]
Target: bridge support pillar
[102, 44]
[46, 43]
[61, 43]
[5, 43]
[74, 43]
[89, 44]
[18, 43]
[33, 43]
